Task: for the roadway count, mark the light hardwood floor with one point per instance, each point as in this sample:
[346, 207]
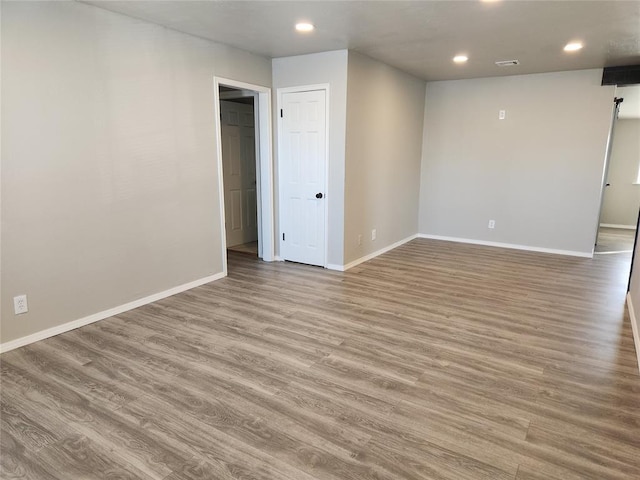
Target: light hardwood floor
[434, 361]
[615, 240]
[250, 248]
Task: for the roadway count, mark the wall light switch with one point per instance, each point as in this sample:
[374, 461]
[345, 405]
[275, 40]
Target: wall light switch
[502, 114]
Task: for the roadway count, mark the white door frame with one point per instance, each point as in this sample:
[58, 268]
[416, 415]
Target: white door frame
[264, 166]
[607, 163]
[305, 88]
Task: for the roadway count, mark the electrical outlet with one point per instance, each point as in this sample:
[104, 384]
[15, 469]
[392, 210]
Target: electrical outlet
[20, 304]
[359, 240]
[492, 224]
[373, 234]
[502, 114]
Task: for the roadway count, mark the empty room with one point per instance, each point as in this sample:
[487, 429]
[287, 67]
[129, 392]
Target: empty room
[319, 240]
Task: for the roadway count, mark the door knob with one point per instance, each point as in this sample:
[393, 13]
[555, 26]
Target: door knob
[318, 195]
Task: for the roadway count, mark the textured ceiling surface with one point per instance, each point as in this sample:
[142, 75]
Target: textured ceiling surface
[419, 37]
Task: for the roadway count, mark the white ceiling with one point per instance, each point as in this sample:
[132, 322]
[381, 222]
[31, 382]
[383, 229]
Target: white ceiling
[419, 37]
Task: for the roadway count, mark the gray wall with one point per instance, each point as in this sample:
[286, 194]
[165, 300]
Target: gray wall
[537, 173]
[385, 110]
[622, 197]
[630, 108]
[109, 177]
[323, 68]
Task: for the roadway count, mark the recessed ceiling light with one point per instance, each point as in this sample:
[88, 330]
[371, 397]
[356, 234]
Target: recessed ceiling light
[572, 47]
[304, 27]
[460, 58]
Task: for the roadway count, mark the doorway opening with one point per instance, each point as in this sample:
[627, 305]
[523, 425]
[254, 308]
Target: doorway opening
[243, 128]
[621, 190]
[237, 118]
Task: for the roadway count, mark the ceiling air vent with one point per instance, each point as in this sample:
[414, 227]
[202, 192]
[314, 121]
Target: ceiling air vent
[507, 63]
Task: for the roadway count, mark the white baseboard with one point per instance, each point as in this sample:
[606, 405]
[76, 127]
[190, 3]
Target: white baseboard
[344, 268]
[81, 322]
[635, 327]
[278, 258]
[614, 225]
[506, 245]
[334, 266]
[612, 253]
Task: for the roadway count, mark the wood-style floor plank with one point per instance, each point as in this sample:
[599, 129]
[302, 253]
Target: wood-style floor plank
[434, 361]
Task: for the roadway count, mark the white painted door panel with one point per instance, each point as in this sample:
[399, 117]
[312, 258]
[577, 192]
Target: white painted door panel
[239, 170]
[303, 167]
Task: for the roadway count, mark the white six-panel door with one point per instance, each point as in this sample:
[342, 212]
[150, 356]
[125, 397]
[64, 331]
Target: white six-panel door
[239, 170]
[302, 164]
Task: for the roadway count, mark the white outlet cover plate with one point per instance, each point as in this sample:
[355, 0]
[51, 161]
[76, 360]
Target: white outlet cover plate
[20, 304]
[502, 114]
